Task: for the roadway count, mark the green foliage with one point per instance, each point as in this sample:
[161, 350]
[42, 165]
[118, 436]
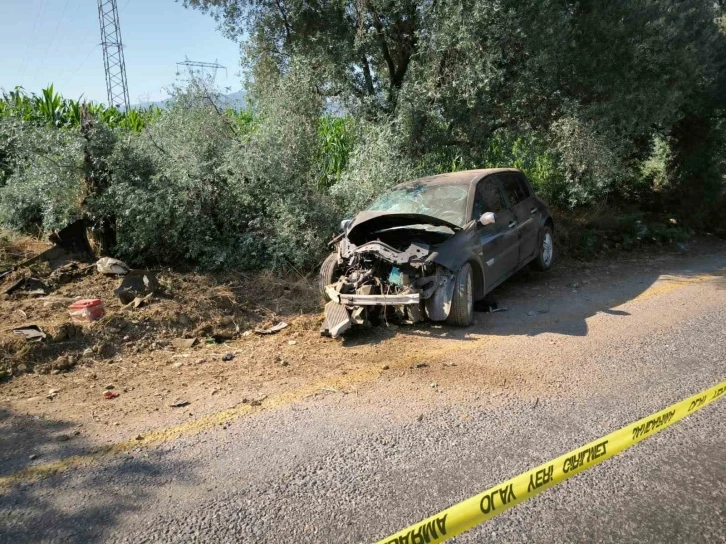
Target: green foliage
[376, 164]
[193, 187]
[336, 137]
[40, 187]
[591, 83]
[51, 109]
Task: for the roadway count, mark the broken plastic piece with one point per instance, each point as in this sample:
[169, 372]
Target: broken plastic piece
[272, 330]
[32, 333]
[112, 267]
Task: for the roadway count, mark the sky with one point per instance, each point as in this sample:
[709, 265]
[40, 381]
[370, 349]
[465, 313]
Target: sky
[57, 41]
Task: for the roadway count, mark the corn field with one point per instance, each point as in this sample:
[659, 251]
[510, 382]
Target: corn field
[50, 108]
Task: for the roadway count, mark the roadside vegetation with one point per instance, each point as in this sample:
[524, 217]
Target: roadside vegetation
[616, 112]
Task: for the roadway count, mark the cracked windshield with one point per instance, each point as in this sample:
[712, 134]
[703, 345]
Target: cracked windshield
[447, 202]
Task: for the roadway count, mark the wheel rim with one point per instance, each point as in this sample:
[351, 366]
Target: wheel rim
[547, 248]
[469, 295]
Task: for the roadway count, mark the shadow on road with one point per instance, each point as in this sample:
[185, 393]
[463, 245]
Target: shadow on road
[561, 301]
[33, 511]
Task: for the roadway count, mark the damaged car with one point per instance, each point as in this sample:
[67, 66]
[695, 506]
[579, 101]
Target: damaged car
[430, 248]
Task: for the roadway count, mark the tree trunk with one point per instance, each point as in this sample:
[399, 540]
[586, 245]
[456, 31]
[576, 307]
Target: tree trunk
[101, 231]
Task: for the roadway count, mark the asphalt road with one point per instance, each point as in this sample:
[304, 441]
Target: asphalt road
[625, 341]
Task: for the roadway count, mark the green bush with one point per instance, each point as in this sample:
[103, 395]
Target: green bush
[40, 185]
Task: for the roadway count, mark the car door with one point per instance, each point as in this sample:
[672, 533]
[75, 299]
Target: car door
[523, 205]
[498, 242]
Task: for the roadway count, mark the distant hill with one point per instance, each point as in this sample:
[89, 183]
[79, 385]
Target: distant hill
[236, 100]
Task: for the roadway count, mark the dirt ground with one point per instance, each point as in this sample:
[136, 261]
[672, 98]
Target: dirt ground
[131, 352]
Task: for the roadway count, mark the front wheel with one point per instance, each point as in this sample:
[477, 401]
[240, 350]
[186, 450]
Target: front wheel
[329, 273]
[546, 253]
[462, 303]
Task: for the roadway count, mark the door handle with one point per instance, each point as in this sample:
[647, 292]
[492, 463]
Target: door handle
[512, 224]
[533, 211]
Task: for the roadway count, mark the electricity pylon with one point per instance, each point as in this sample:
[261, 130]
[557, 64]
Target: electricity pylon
[201, 68]
[113, 55]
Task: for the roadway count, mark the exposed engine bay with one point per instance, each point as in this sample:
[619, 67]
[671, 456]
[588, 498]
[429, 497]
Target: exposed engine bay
[387, 274]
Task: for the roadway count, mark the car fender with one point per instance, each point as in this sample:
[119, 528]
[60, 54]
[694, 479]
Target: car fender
[458, 250]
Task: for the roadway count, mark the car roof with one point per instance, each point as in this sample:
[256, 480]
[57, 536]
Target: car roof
[461, 177]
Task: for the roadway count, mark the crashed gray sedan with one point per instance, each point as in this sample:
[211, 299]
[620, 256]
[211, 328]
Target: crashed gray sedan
[429, 248]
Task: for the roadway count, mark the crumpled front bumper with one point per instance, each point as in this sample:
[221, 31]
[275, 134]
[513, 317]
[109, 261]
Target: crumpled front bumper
[346, 310]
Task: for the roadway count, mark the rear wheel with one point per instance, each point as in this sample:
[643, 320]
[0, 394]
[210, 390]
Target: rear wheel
[546, 253]
[329, 273]
[462, 303]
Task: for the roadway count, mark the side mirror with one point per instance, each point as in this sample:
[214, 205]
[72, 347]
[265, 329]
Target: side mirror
[487, 219]
[344, 224]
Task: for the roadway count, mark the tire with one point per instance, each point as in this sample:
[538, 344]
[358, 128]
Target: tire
[546, 251]
[329, 273]
[462, 302]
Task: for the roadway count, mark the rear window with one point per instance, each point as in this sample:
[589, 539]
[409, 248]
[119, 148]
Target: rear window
[515, 188]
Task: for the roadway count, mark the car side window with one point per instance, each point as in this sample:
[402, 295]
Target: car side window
[488, 198]
[515, 188]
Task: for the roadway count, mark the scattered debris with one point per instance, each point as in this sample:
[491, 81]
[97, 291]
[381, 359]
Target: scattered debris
[433, 384]
[32, 333]
[87, 353]
[385, 367]
[420, 365]
[291, 342]
[138, 301]
[536, 403]
[228, 356]
[112, 267]
[420, 417]
[109, 395]
[183, 343]
[137, 283]
[180, 403]
[449, 364]
[87, 310]
[109, 386]
[533, 313]
[30, 286]
[488, 305]
[33, 456]
[139, 437]
[53, 393]
[272, 330]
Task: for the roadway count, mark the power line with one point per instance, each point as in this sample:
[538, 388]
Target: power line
[31, 38]
[52, 39]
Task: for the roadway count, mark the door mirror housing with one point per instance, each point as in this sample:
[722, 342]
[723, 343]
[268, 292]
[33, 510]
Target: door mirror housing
[488, 218]
[344, 224]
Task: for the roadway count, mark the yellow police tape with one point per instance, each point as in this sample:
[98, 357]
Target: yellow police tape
[492, 502]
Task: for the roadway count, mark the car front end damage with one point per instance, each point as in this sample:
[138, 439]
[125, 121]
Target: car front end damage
[389, 274]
